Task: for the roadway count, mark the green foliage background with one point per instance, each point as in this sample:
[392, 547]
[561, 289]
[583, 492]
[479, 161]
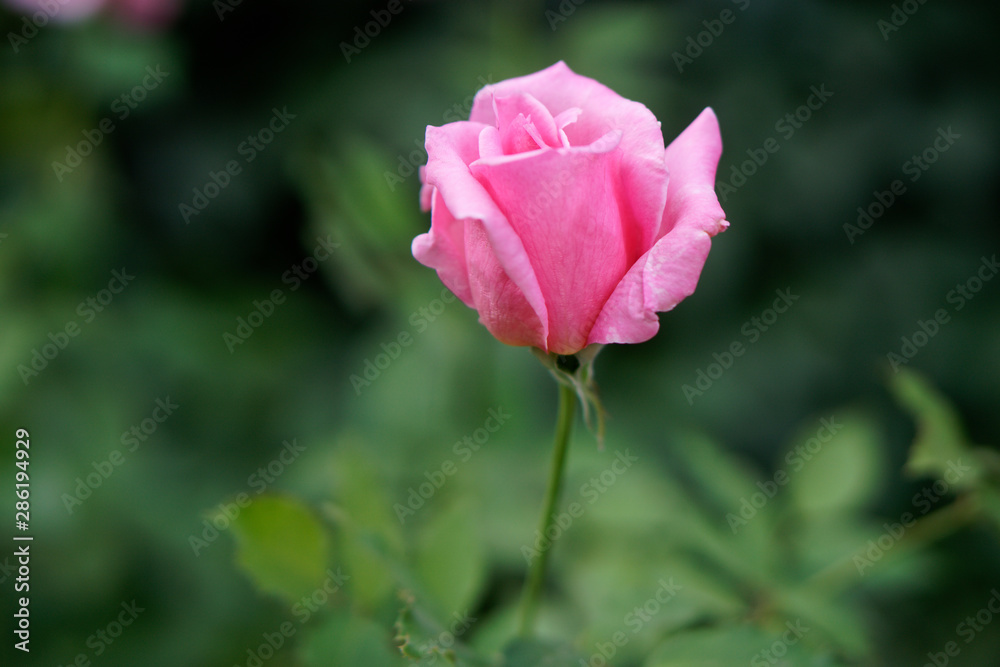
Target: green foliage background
[342, 170]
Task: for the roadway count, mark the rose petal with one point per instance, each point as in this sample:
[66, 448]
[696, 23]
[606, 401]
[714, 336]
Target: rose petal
[524, 124]
[602, 110]
[443, 249]
[503, 310]
[669, 272]
[565, 118]
[567, 207]
[460, 197]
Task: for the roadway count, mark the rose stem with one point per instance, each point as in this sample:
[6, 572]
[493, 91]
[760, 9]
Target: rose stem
[536, 575]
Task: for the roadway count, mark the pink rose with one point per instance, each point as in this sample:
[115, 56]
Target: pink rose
[559, 216]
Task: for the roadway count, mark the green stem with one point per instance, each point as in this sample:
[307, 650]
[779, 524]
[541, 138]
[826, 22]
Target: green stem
[536, 575]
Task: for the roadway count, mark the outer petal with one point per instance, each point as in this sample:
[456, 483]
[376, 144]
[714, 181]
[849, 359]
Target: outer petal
[443, 248]
[502, 308]
[642, 177]
[458, 196]
[669, 272]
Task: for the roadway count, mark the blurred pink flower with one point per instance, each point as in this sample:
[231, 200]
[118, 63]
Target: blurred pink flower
[134, 13]
[145, 13]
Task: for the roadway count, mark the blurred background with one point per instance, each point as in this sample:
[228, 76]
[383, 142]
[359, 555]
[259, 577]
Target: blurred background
[259, 428]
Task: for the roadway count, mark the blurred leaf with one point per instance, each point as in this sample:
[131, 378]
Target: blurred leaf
[348, 196]
[493, 631]
[371, 542]
[647, 502]
[736, 645]
[282, 546]
[538, 653]
[451, 558]
[362, 188]
[846, 472]
[989, 498]
[728, 485]
[345, 638]
[633, 586]
[829, 617]
[715, 471]
[940, 440]
[420, 637]
[372, 571]
[361, 490]
[819, 541]
[108, 63]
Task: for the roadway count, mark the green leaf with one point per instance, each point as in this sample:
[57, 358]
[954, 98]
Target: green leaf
[282, 546]
[738, 645]
[343, 638]
[729, 487]
[349, 189]
[716, 472]
[420, 637]
[538, 653]
[373, 572]
[844, 474]
[451, 558]
[940, 440]
[989, 499]
[370, 540]
[827, 617]
[638, 588]
[361, 490]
